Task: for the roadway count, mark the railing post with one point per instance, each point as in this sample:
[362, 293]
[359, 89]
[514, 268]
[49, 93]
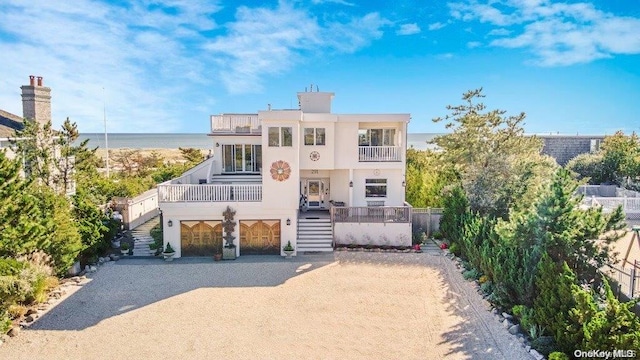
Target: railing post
[632, 280]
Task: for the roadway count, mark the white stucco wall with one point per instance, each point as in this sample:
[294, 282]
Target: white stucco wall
[394, 234]
[176, 212]
[395, 191]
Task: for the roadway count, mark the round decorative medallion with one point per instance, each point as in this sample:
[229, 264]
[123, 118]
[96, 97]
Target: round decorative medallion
[314, 156]
[280, 170]
[376, 172]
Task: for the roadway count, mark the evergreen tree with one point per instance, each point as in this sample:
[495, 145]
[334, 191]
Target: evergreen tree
[21, 230]
[496, 163]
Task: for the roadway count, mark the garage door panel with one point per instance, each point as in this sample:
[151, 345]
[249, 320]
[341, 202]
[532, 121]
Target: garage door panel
[260, 237]
[200, 238]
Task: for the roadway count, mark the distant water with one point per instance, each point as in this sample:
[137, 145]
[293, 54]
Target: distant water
[198, 141]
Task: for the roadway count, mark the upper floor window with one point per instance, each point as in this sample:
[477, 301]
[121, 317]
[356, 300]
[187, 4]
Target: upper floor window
[280, 136]
[376, 137]
[314, 136]
[375, 188]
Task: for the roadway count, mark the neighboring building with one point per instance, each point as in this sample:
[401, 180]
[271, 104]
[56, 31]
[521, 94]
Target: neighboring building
[304, 175]
[565, 147]
[36, 106]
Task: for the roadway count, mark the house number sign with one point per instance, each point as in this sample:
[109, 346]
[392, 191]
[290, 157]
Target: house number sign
[314, 172]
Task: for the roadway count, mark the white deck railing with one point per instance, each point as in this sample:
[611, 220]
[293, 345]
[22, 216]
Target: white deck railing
[235, 123]
[209, 193]
[379, 153]
[371, 214]
[631, 206]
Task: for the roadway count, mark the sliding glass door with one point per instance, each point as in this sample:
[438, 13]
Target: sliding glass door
[241, 158]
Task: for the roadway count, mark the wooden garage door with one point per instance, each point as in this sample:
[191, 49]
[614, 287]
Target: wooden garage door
[260, 237]
[201, 238]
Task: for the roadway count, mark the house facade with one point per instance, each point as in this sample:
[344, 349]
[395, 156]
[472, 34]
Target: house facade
[305, 176]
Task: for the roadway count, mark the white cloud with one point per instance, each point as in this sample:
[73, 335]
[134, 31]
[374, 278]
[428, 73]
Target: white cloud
[556, 33]
[408, 29]
[149, 54]
[474, 44]
[436, 26]
[339, 2]
[264, 41]
[499, 32]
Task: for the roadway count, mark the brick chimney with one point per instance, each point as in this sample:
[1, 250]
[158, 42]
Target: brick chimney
[36, 101]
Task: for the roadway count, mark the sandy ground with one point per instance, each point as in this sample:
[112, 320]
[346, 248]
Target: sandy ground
[340, 306]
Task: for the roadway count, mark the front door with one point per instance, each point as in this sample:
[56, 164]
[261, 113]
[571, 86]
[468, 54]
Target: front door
[314, 194]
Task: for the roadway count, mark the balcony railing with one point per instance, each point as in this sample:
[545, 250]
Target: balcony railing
[236, 124]
[371, 214]
[379, 153]
[209, 193]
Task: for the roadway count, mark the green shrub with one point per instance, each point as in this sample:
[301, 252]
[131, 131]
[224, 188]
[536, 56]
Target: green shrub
[556, 355]
[487, 287]
[10, 266]
[472, 274]
[5, 322]
[454, 249]
[525, 317]
[544, 344]
[437, 235]
[456, 207]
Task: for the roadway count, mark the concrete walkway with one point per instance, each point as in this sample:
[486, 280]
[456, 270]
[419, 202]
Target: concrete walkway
[142, 237]
[343, 305]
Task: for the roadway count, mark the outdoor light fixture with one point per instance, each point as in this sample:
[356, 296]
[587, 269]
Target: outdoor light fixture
[403, 183]
[170, 223]
[288, 222]
[217, 144]
[350, 183]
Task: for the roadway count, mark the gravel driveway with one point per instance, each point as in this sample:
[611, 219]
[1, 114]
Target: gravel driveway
[345, 305]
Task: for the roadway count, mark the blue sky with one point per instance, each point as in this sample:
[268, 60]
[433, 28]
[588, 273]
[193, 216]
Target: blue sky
[165, 66]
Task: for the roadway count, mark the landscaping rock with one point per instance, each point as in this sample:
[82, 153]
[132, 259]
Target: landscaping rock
[31, 312]
[100, 260]
[536, 354]
[31, 318]
[506, 324]
[494, 311]
[514, 329]
[107, 259]
[14, 331]
[507, 316]
[114, 257]
[93, 268]
[528, 348]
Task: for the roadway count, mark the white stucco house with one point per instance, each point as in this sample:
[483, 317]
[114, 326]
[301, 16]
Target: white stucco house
[304, 175]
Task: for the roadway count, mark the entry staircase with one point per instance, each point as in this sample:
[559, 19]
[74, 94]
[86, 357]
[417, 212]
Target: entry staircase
[315, 234]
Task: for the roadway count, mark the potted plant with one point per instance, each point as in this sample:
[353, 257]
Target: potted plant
[229, 224]
[288, 250]
[168, 253]
[217, 256]
[153, 248]
[124, 248]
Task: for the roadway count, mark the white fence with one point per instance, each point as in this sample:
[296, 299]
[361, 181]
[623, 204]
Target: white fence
[138, 210]
[209, 192]
[236, 123]
[380, 153]
[630, 206]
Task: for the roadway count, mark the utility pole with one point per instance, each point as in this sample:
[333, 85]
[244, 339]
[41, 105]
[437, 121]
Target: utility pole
[106, 140]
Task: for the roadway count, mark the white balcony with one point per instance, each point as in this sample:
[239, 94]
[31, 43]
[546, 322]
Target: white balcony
[379, 153]
[209, 193]
[235, 124]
